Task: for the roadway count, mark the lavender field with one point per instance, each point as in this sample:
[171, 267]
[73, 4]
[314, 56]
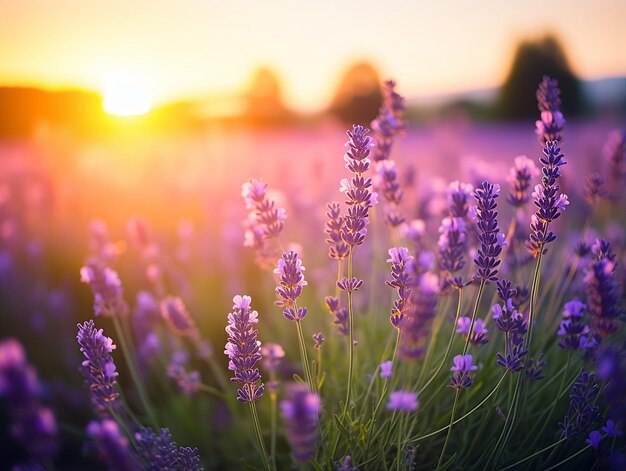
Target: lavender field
[442, 296]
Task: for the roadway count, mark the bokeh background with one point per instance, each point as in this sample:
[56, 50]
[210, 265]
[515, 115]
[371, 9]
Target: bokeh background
[158, 111]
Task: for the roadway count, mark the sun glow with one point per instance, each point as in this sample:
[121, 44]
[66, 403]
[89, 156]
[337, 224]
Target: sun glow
[126, 95]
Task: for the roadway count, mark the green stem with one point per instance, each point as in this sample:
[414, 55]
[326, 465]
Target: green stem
[351, 339]
[304, 357]
[129, 357]
[273, 426]
[259, 435]
[448, 348]
[445, 443]
[537, 453]
[474, 311]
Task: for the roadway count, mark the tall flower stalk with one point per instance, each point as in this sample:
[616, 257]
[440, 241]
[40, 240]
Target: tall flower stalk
[359, 199]
[291, 281]
[244, 351]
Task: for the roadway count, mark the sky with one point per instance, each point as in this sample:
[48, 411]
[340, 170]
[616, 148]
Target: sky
[185, 48]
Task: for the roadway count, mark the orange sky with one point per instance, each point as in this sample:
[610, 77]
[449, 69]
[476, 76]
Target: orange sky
[186, 48]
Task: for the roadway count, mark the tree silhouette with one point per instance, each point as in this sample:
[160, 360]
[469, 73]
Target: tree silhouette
[358, 96]
[533, 60]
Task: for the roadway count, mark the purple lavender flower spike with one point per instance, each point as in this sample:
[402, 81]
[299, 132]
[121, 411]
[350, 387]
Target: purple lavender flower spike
[349, 285]
[106, 287]
[602, 291]
[188, 381]
[582, 412]
[337, 249]
[422, 305]
[291, 281]
[32, 425]
[112, 446]
[611, 429]
[462, 367]
[98, 369]
[345, 465]
[300, 411]
[386, 369]
[244, 349]
[160, 452]
[389, 123]
[550, 126]
[342, 320]
[175, 313]
[386, 183]
[479, 336]
[574, 331]
[594, 439]
[359, 196]
[401, 267]
[318, 340]
[405, 401]
[522, 172]
[547, 199]
[491, 240]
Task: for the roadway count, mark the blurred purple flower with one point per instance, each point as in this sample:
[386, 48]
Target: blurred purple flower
[318, 340]
[401, 266]
[386, 369]
[345, 465]
[175, 313]
[594, 439]
[405, 401]
[160, 452]
[112, 446]
[300, 411]
[106, 287]
[550, 126]
[520, 176]
[602, 291]
[390, 121]
[462, 368]
[188, 381]
[244, 349]
[272, 356]
[337, 249]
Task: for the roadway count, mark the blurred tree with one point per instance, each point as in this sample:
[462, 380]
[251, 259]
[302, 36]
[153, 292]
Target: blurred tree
[263, 99]
[358, 96]
[533, 60]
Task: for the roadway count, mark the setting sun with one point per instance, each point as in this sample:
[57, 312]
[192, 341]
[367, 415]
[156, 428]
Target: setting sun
[126, 95]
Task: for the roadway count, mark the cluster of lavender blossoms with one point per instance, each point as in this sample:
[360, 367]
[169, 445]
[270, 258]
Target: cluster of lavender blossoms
[512, 324]
[244, 349]
[491, 239]
[462, 368]
[337, 248]
[401, 267]
[359, 196]
[112, 446]
[546, 197]
[290, 283]
[453, 231]
[98, 368]
[160, 452]
[387, 126]
[33, 425]
[340, 314]
[106, 287]
[300, 410]
[519, 179]
[265, 219]
[576, 335]
[602, 290]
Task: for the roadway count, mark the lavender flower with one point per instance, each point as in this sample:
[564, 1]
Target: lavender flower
[451, 244]
[358, 193]
[602, 291]
[112, 446]
[106, 287]
[340, 314]
[550, 126]
[611, 430]
[175, 313]
[300, 411]
[33, 425]
[582, 412]
[479, 334]
[98, 369]
[403, 401]
[594, 439]
[491, 240]
[290, 284]
[462, 368]
[160, 452]
[547, 199]
[188, 381]
[318, 340]
[593, 188]
[401, 263]
[534, 369]
[572, 329]
[386, 183]
[346, 465]
[265, 220]
[386, 369]
[244, 349]
[349, 285]
[422, 305]
[522, 172]
[389, 122]
[273, 355]
[337, 249]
